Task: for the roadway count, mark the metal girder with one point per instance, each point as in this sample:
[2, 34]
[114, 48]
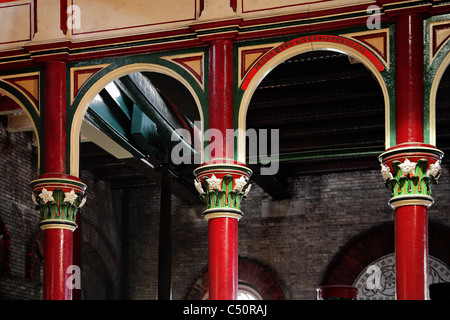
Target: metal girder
[145, 96]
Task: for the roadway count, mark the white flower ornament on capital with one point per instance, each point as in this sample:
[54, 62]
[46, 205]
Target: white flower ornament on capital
[198, 186]
[408, 167]
[46, 195]
[70, 197]
[434, 169]
[240, 183]
[214, 182]
[386, 172]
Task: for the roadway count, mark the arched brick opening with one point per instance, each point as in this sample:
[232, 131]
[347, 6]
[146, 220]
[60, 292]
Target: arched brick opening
[374, 243]
[96, 244]
[36, 257]
[5, 249]
[251, 273]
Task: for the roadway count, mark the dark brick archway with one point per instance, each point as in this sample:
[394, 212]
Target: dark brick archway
[250, 272]
[375, 243]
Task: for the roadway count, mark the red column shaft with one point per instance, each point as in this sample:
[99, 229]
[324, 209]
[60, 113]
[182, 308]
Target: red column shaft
[410, 221]
[221, 92]
[76, 255]
[223, 247]
[409, 75]
[55, 117]
[411, 250]
[57, 246]
[223, 259]
[58, 242]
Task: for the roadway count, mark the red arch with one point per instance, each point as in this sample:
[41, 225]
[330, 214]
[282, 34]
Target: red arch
[310, 39]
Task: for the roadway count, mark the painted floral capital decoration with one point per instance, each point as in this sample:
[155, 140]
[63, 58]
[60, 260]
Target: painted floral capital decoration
[225, 192]
[410, 178]
[58, 205]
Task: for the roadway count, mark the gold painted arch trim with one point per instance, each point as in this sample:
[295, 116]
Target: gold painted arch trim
[28, 84]
[250, 84]
[97, 86]
[27, 112]
[433, 95]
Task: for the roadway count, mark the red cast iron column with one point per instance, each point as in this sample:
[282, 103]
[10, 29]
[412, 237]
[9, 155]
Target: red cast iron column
[411, 222]
[222, 178]
[57, 195]
[411, 166]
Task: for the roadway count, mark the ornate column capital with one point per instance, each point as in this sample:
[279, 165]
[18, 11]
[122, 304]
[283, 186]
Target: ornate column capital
[409, 170]
[58, 197]
[222, 186]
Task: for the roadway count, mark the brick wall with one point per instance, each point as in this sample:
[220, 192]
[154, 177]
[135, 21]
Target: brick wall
[102, 215]
[17, 170]
[295, 239]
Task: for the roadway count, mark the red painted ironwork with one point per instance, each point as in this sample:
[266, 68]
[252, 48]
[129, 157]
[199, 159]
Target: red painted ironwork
[223, 258]
[411, 236]
[221, 92]
[411, 250]
[57, 259]
[58, 238]
[55, 117]
[409, 75]
[223, 247]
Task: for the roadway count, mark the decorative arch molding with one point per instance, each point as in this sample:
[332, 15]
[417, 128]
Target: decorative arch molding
[35, 257]
[96, 239]
[27, 103]
[437, 60]
[100, 75]
[250, 273]
[290, 48]
[377, 242]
